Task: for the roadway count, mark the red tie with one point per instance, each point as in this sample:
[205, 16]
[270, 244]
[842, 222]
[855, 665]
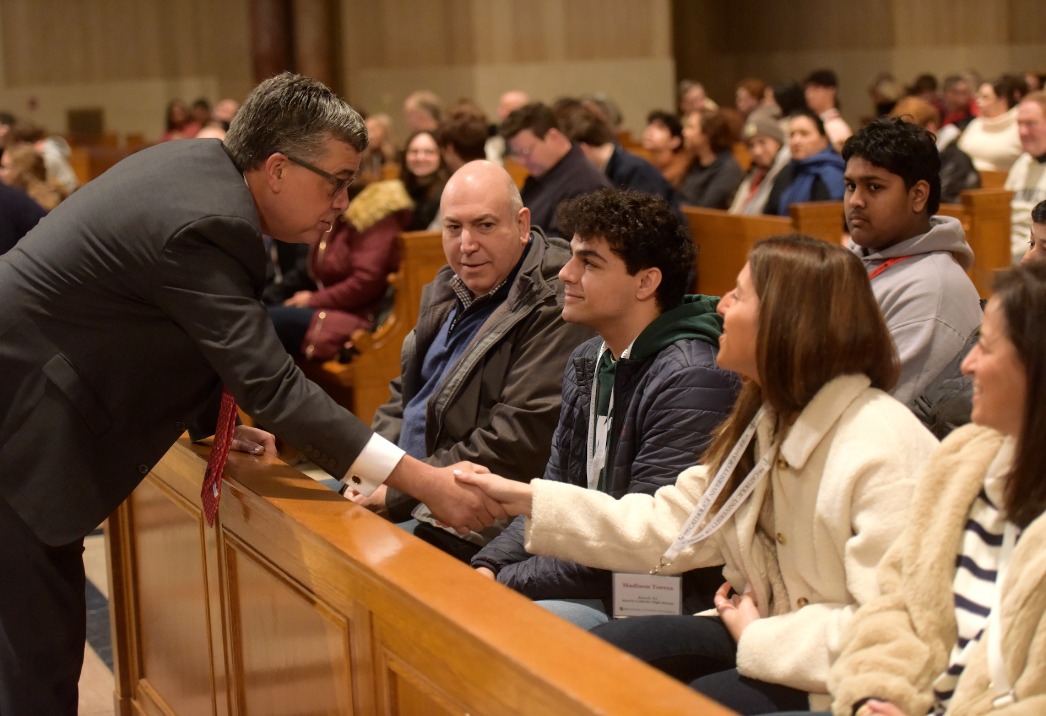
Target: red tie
[212, 481]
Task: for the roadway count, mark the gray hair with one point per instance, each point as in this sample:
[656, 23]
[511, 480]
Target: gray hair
[292, 114]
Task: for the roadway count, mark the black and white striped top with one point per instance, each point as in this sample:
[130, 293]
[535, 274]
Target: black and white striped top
[976, 569]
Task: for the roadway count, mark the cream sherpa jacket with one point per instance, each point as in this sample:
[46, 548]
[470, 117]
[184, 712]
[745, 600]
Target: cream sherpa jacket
[899, 643]
[838, 493]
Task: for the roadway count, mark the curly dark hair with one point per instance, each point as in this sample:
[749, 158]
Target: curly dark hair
[640, 228]
[901, 148]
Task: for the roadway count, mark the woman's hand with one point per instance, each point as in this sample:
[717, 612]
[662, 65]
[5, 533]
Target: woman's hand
[300, 299]
[253, 440]
[515, 497]
[736, 612]
[375, 502]
[875, 707]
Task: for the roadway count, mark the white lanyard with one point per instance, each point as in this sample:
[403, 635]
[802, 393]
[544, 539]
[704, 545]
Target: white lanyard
[689, 533]
[996, 667]
[598, 445]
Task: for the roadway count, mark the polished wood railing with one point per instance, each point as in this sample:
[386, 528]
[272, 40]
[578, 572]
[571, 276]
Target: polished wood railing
[300, 602]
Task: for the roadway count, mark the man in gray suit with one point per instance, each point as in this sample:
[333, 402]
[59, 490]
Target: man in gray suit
[125, 311]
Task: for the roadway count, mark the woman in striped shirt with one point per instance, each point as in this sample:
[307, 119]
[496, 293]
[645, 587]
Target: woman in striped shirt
[960, 627]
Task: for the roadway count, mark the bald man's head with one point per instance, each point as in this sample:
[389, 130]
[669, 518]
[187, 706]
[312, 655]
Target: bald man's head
[485, 225]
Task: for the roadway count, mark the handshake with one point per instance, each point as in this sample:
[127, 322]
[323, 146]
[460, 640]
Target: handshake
[463, 496]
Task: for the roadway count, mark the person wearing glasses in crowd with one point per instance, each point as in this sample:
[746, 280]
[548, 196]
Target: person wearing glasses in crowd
[125, 311]
[558, 169]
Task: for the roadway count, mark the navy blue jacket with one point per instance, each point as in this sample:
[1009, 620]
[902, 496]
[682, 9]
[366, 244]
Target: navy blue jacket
[666, 408]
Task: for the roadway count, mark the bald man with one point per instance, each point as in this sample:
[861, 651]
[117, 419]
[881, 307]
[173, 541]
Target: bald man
[481, 372]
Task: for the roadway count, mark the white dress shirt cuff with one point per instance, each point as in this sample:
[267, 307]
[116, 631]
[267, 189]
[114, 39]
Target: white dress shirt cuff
[373, 465]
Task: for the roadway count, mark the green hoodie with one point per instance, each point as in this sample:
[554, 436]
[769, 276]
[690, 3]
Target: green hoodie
[696, 318]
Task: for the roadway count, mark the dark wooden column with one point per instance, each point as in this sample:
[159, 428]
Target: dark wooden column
[314, 30]
[271, 38]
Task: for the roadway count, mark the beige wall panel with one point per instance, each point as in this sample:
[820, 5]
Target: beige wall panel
[936, 23]
[718, 43]
[637, 85]
[406, 33]
[549, 48]
[129, 57]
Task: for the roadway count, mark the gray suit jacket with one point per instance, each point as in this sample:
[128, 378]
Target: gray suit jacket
[124, 311]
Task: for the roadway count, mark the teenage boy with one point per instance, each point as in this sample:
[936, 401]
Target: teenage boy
[915, 260]
[641, 400]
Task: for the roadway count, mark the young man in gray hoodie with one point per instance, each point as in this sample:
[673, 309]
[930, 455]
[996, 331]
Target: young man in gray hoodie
[640, 401]
[916, 261]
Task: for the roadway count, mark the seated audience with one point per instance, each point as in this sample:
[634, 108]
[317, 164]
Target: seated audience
[958, 627]
[481, 371]
[749, 95]
[508, 102]
[663, 141]
[286, 271]
[787, 97]
[821, 90]
[55, 151]
[1037, 238]
[916, 261]
[713, 175]
[885, 92]
[1027, 177]
[765, 142]
[623, 169]
[424, 175]
[815, 172]
[693, 98]
[220, 119]
[350, 266]
[18, 215]
[604, 107]
[957, 170]
[178, 122]
[422, 111]
[462, 138]
[22, 167]
[381, 152]
[991, 139]
[820, 493]
[958, 107]
[647, 388]
[558, 169]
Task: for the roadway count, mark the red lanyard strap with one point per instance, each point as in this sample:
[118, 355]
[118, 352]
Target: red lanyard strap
[887, 264]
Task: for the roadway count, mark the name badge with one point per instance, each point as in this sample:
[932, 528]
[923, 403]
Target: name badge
[641, 595]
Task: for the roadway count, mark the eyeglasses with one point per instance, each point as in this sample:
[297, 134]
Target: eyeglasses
[338, 184]
[524, 151]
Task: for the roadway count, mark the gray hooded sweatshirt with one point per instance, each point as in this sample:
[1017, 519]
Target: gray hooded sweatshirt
[930, 305]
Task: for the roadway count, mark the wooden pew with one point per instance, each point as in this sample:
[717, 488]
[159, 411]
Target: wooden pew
[985, 216]
[362, 384]
[517, 171]
[724, 239]
[91, 160]
[992, 179]
[298, 601]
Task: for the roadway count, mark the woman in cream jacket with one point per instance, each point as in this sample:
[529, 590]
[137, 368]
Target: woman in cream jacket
[901, 656]
[804, 330]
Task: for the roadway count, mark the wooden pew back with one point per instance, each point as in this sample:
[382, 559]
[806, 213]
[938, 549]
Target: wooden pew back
[300, 602]
[724, 239]
[985, 216]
